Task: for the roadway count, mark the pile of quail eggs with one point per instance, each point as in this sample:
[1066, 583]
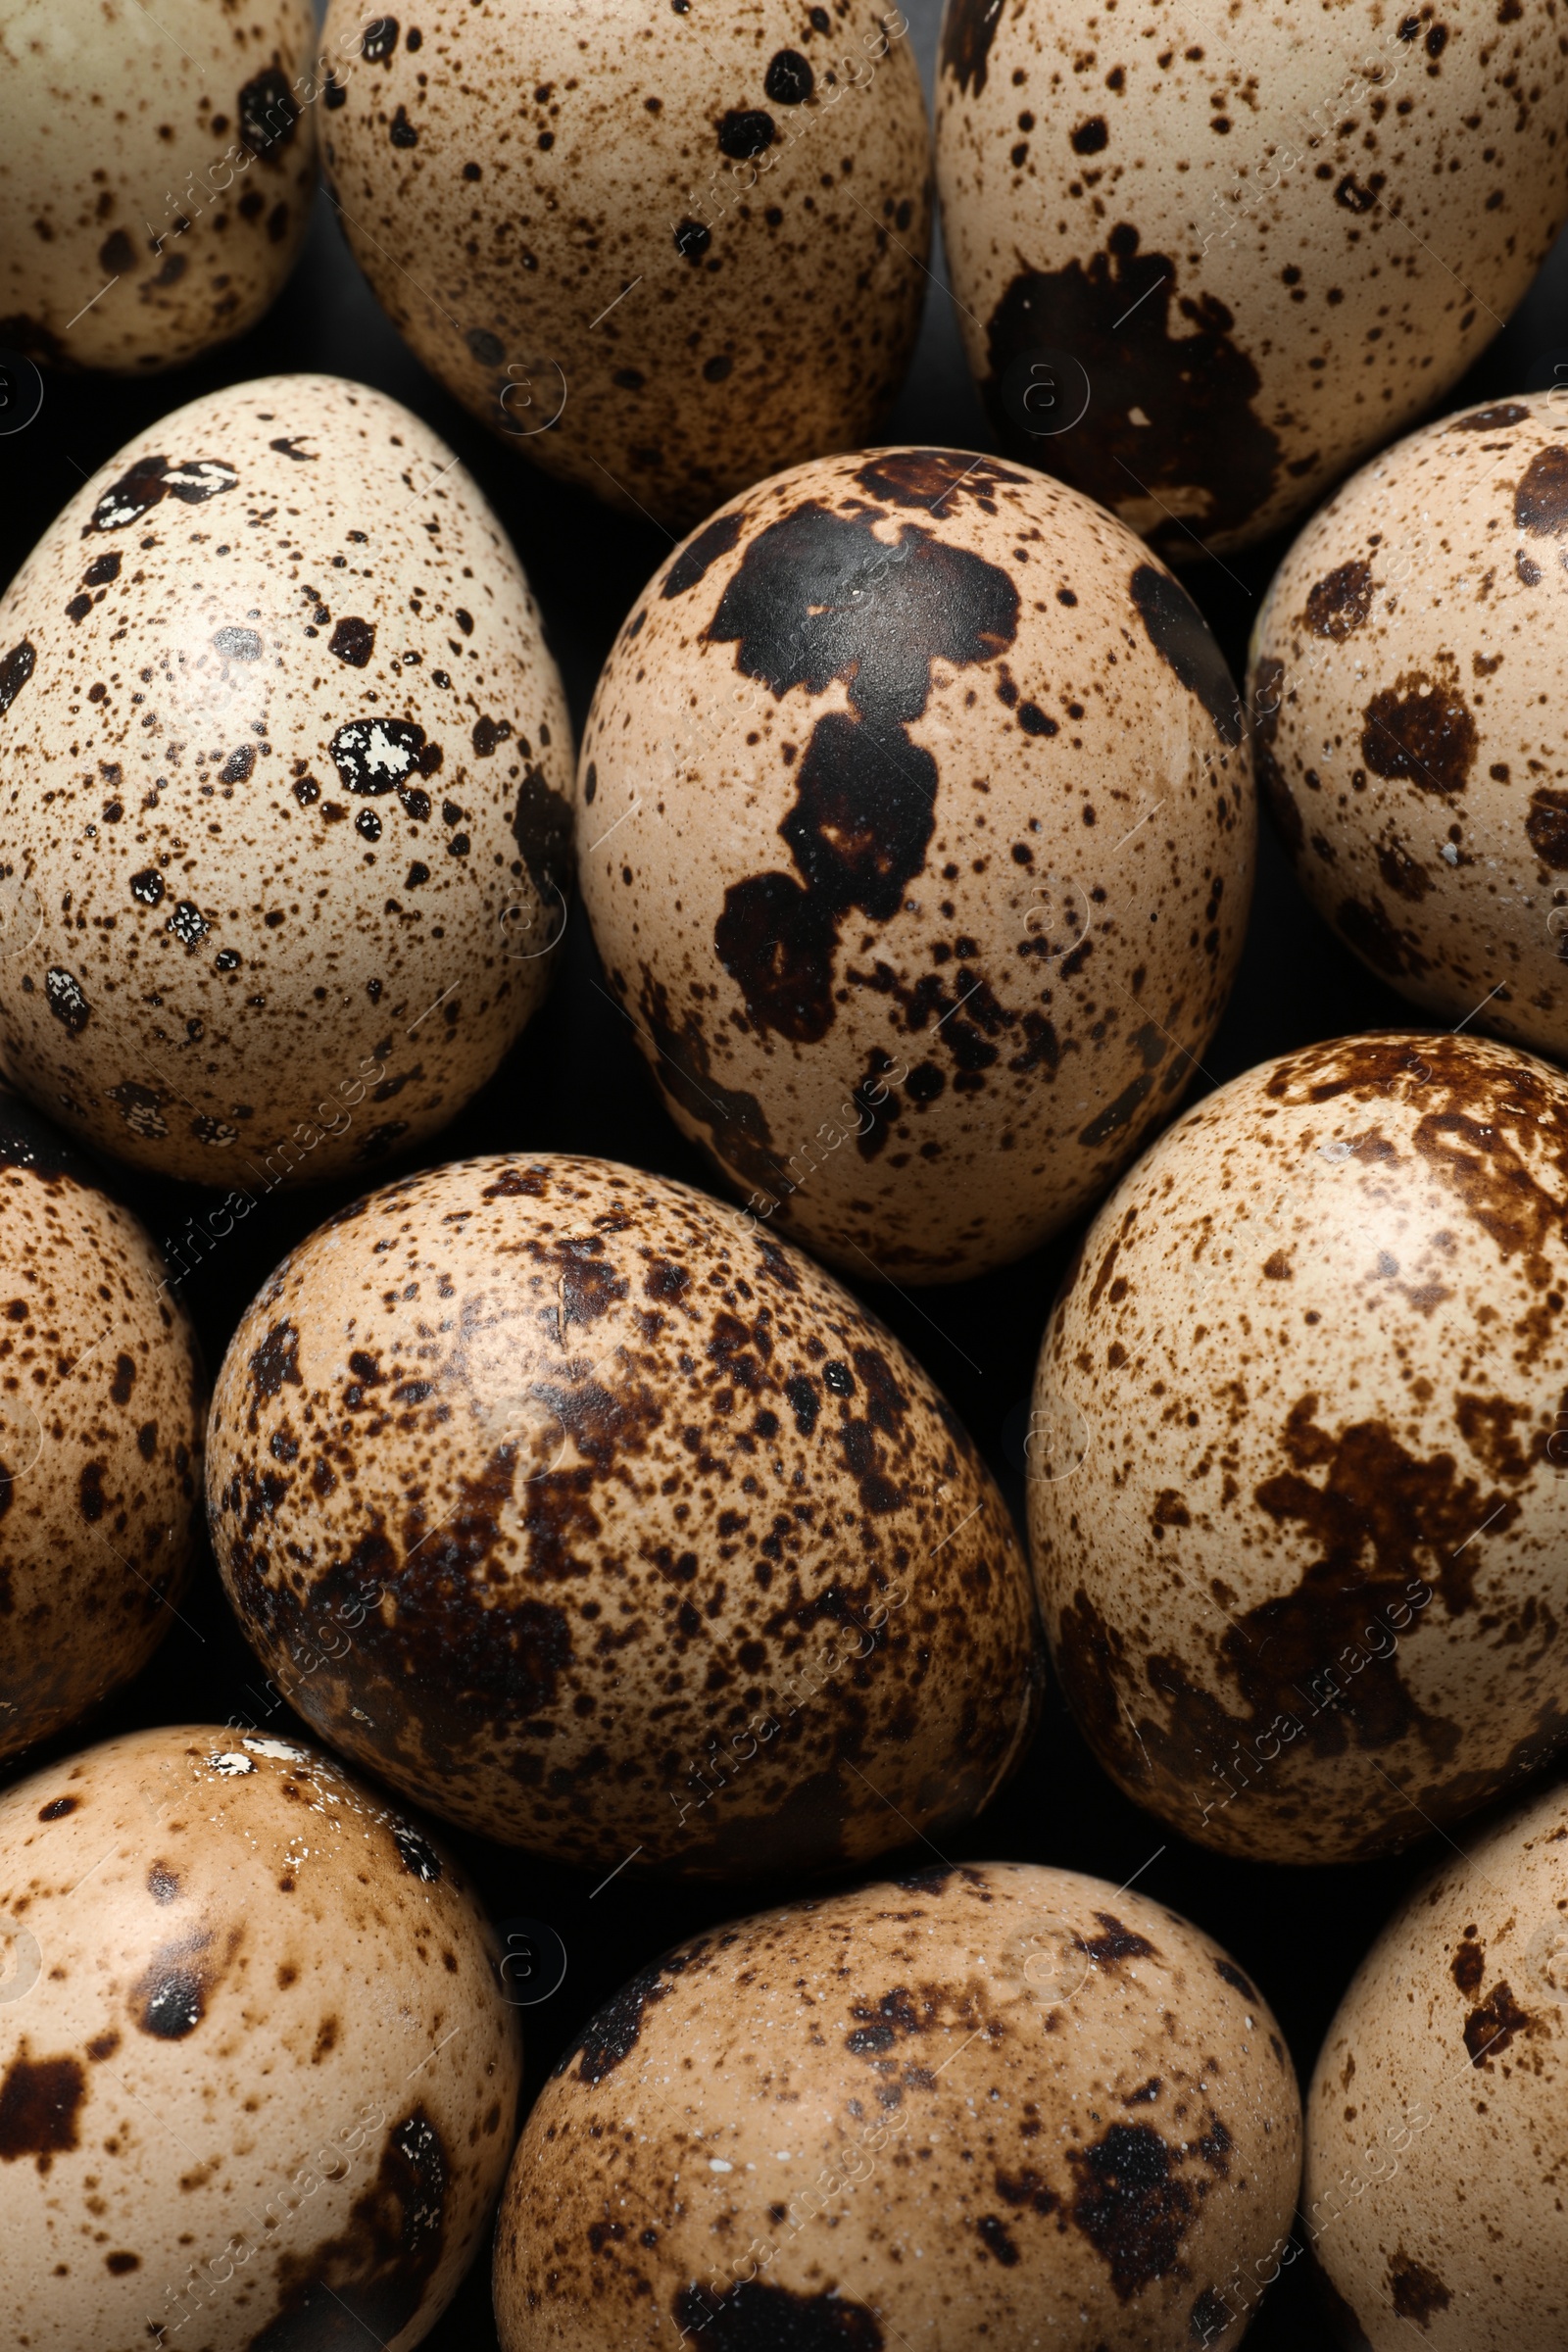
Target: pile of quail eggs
[555, 1792]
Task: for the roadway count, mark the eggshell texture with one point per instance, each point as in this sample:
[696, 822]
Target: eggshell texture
[665, 251]
[1298, 1502]
[257, 2077]
[102, 1407]
[1405, 678]
[570, 1501]
[918, 840]
[1434, 2169]
[987, 2105]
[1255, 242]
[286, 792]
[156, 174]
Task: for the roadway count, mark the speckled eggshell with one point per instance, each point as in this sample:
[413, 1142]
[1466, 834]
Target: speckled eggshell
[984, 2106]
[102, 1417]
[1434, 2158]
[1266, 236]
[1405, 684]
[285, 793]
[662, 251]
[571, 1503]
[1298, 1493]
[157, 170]
[917, 842]
[257, 2077]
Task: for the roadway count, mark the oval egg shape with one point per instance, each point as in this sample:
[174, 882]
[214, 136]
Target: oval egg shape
[156, 176]
[1202, 267]
[286, 809]
[983, 2104]
[917, 836]
[103, 1410]
[258, 2078]
[1399, 673]
[1298, 1496]
[615, 239]
[566, 1499]
[1432, 2199]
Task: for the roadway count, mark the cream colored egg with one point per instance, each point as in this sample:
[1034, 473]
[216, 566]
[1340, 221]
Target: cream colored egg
[1433, 2194]
[157, 169]
[102, 1415]
[285, 793]
[661, 250]
[257, 2074]
[980, 2106]
[568, 1502]
[1204, 258]
[1404, 681]
[1298, 1493]
[917, 839]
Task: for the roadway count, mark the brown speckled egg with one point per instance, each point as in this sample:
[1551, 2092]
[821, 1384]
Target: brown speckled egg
[157, 169]
[578, 1508]
[257, 2074]
[286, 792]
[1298, 1491]
[663, 253]
[102, 1411]
[1405, 685]
[1434, 2125]
[1206, 257]
[994, 2105]
[917, 842]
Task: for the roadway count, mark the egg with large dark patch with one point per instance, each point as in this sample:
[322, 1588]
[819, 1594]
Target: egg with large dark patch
[1299, 1452]
[102, 1414]
[258, 2075]
[985, 2105]
[917, 836]
[1433, 2196]
[156, 171]
[285, 793]
[662, 254]
[1404, 731]
[579, 1509]
[1205, 258]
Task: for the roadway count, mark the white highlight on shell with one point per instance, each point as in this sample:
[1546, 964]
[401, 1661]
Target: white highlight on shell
[717, 2164]
[280, 1749]
[229, 1766]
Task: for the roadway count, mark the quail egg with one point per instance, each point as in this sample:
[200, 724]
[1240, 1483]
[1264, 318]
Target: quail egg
[1400, 686]
[662, 251]
[916, 837]
[102, 1407]
[286, 797]
[1299, 1490]
[1433, 2196]
[1205, 258]
[257, 2074]
[157, 171]
[576, 1506]
[991, 2104]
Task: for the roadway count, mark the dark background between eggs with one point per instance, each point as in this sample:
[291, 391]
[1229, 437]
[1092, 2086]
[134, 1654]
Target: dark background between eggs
[577, 1082]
